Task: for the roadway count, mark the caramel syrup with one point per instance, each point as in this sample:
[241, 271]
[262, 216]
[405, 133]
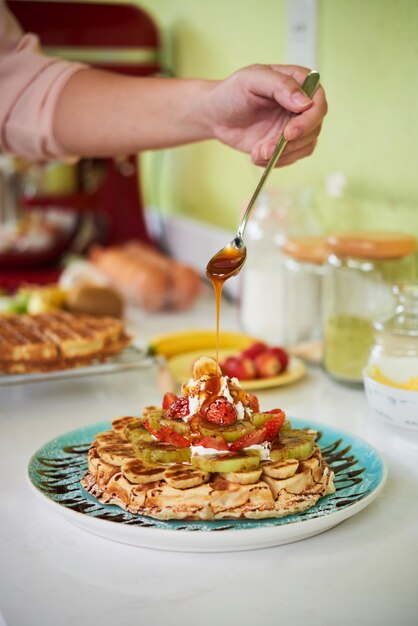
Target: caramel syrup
[226, 263]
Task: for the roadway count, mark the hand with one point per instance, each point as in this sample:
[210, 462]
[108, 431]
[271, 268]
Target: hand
[250, 108]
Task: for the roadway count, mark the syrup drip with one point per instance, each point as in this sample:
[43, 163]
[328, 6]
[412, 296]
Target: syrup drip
[226, 263]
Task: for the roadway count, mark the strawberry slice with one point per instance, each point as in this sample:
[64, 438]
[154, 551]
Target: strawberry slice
[168, 435]
[221, 412]
[253, 403]
[217, 443]
[168, 399]
[267, 432]
[178, 409]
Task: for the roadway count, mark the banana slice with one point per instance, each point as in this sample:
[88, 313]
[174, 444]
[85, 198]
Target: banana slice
[206, 367]
[115, 453]
[243, 478]
[139, 473]
[183, 477]
[280, 469]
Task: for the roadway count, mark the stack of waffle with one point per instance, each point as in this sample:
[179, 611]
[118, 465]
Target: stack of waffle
[55, 341]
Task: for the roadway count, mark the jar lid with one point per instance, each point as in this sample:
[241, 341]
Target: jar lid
[309, 249]
[371, 245]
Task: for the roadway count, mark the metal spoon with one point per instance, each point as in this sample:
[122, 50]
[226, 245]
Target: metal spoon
[230, 259]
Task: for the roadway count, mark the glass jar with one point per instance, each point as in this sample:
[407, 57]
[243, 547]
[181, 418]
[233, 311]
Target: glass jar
[361, 270]
[394, 355]
[262, 285]
[304, 265]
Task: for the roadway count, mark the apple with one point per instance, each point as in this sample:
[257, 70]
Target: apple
[238, 367]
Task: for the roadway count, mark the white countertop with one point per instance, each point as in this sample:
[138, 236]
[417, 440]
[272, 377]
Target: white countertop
[52, 573]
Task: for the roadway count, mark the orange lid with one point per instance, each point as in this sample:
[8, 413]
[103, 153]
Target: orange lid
[372, 245]
[310, 249]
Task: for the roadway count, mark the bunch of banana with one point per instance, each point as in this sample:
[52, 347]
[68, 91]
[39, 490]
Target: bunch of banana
[171, 344]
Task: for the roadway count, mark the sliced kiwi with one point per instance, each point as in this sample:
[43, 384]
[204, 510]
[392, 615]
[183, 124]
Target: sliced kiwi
[229, 433]
[258, 419]
[292, 444]
[177, 425]
[140, 433]
[158, 452]
[227, 463]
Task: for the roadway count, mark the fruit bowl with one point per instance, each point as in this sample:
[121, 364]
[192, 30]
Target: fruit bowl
[396, 407]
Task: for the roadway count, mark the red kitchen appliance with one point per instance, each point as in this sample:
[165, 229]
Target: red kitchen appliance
[117, 37]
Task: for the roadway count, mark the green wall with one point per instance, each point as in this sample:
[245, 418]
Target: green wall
[368, 59]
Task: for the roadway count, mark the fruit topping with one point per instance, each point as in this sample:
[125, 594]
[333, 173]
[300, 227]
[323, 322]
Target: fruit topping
[253, 403]
[292, 444]
[158, 452]
[215, 443]
[178, 409]
[168, 399]
[226, 463]
[267, 432]
[166, 434]
[221, 412]
[229, 433]
[206, 367]
[282, 355]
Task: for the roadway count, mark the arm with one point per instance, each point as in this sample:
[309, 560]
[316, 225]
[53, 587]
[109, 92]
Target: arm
[105, 114]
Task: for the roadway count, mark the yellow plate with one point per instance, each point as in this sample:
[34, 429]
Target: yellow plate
[180, 367]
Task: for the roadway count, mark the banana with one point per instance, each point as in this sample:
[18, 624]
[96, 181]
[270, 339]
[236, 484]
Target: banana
[183, 477]
[115, 453]
[139, 473]
[205, 366]
[243, 478]
[120, 423]
[170, 344]
[280, 469]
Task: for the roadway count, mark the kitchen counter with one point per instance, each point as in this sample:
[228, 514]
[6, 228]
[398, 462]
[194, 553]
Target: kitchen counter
[52, 573]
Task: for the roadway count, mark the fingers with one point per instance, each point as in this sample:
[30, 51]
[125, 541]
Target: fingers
[280, 86]
[290, 157]
[263, 152]
[303, 124]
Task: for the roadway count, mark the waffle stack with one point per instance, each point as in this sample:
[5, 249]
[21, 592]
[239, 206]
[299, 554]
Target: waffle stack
[56, 341]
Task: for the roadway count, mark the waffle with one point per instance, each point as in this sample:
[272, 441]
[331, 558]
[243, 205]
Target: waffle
[59, 340]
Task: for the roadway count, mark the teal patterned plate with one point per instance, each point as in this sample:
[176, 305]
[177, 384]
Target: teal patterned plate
[56, 469]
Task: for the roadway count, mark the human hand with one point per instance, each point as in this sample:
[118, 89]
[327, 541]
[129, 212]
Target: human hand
[249, 110]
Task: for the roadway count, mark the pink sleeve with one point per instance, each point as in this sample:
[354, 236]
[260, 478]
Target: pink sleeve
[30, 85]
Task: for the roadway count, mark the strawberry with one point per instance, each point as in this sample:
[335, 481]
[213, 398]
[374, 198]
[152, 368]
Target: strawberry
[267, 364]
[221, 412]
[254, 350]
[267, 432]
[168, 399]
[217, 443]
[167, 435]
[282, 355]
[253, 403]
[178, 409]
[238, 367]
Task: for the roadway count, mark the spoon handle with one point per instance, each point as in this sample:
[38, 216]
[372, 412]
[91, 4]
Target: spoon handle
[309, 86]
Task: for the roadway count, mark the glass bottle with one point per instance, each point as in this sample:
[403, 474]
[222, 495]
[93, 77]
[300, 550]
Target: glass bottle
[361, 270]
[304, 265]
[395, 351]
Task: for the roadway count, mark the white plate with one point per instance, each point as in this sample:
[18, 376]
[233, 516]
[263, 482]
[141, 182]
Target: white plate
[56, 469]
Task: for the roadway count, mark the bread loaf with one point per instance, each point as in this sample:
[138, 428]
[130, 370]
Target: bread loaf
[147, 278]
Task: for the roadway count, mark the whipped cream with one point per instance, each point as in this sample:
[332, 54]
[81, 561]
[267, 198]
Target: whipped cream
[202, 451]
[263, 448]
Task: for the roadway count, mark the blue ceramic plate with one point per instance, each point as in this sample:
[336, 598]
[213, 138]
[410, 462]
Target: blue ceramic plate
[56, 469]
